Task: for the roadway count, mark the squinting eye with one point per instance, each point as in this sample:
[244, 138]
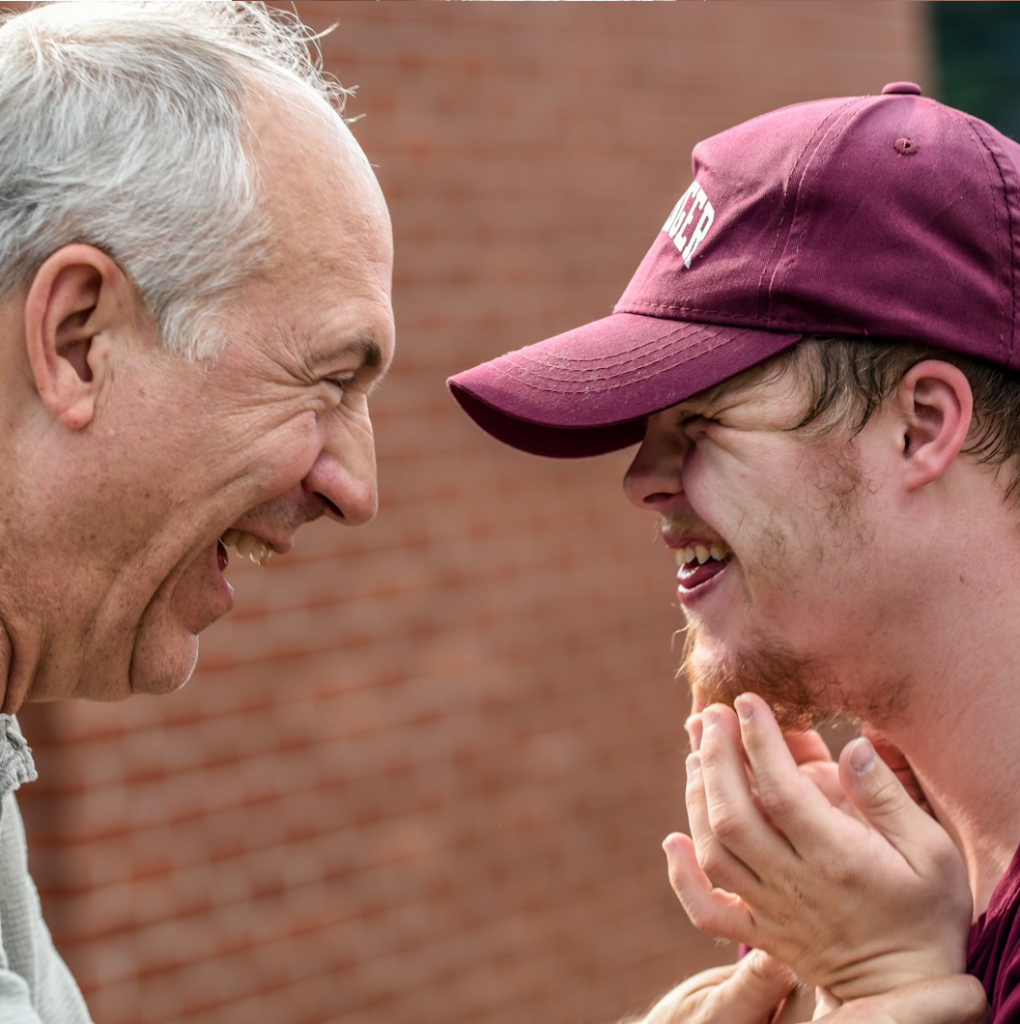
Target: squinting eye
[692, 419]
[342, 384]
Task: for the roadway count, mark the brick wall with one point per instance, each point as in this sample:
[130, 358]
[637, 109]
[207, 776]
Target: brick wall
[424, 769]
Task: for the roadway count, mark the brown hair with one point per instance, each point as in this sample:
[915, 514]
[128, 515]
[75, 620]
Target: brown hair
[849, 378]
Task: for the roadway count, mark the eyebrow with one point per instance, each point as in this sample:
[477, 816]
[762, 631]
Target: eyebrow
[371, 358]
[371, 353]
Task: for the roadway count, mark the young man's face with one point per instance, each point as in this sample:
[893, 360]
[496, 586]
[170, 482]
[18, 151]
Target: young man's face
[779, 543]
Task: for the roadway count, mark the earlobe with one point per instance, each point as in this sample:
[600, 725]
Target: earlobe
[936, 404]
[73, 298]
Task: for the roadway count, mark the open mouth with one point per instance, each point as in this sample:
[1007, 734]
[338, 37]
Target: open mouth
[699, 563]
[247, 545]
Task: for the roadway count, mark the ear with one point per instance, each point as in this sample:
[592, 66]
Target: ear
[935, 406]
[75, 299]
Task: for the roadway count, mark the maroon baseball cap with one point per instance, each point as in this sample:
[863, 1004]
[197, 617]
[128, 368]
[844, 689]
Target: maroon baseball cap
[889, 216]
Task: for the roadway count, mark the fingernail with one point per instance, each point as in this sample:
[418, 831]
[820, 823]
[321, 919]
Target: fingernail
[693, 766]
[862, 756]
[710, 717]
[744, 708]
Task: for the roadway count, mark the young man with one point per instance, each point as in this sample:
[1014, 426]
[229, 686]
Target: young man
[818, 359]
[195, 302]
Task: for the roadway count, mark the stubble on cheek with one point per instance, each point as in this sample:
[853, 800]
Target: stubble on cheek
[801, 691]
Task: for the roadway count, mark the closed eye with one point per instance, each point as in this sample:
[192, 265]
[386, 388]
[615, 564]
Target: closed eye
[694, 419]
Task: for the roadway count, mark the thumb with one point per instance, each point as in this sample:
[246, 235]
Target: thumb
[755, 990]
[880, 797]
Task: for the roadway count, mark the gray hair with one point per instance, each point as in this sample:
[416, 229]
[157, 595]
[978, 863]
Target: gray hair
[123, 125]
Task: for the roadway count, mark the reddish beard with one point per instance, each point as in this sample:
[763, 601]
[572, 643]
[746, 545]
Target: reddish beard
[794, 686]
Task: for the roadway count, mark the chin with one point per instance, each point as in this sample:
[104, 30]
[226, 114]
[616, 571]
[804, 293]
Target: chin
[790, 683]
[163, 668]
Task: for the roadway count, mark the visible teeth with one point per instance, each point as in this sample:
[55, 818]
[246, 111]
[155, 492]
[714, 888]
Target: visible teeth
[684, 555]
[701, 554]
[248, 545]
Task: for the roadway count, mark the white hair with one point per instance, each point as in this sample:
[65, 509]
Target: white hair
[123, 125]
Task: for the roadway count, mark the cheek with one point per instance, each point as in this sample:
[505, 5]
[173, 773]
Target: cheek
[285, 455]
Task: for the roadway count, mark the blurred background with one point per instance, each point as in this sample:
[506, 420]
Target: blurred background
[425, 767]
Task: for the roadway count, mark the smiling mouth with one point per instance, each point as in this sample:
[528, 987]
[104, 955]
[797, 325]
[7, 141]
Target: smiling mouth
[698, 564]
[247, 545]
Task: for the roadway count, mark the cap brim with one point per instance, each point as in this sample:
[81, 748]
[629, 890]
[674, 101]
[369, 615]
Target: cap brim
[588, 391]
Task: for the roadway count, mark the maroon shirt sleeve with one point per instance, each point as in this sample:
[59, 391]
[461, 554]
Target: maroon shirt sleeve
[993, 952]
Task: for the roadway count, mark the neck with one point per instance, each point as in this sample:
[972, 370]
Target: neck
[959, 731]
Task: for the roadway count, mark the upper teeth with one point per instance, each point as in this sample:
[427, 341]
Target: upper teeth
[701, 554]
[248, 544]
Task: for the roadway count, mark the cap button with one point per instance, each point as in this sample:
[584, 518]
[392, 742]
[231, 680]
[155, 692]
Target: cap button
[902, 89]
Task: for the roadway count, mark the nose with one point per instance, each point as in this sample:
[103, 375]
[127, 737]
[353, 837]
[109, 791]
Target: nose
[654, 479]
[343, 477]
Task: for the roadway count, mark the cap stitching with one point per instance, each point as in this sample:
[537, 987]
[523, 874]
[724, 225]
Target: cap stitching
[824, 126]
[524, 357]
[834, 130]
[664, 341]
[610, 383]
[797, 325]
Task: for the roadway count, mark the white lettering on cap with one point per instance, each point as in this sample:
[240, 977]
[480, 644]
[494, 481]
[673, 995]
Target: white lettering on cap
[677, 223]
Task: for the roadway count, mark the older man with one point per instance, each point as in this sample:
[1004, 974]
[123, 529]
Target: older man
[818, 358]
[195, 308]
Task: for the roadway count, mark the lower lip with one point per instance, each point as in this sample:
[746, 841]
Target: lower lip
[202, 594]
[694, 584]
[224, 592]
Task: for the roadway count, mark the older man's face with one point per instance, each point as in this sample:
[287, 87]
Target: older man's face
[245, 449]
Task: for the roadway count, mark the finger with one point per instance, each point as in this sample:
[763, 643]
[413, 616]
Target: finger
[711, 910]
[694, 727]
[898, 763]
[747, 992]
[794, 804]
[879, 796]
[734, 816]
[807, 747]
[754, 992]
[824, 775]
[951, 999]
[722, 866]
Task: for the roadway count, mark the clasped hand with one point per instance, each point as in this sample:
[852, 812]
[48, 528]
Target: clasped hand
[833, 870]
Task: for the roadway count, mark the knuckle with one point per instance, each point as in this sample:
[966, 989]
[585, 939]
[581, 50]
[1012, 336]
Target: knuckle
[725, 823]
[889, 796]
[778, 803]
[711, 859]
